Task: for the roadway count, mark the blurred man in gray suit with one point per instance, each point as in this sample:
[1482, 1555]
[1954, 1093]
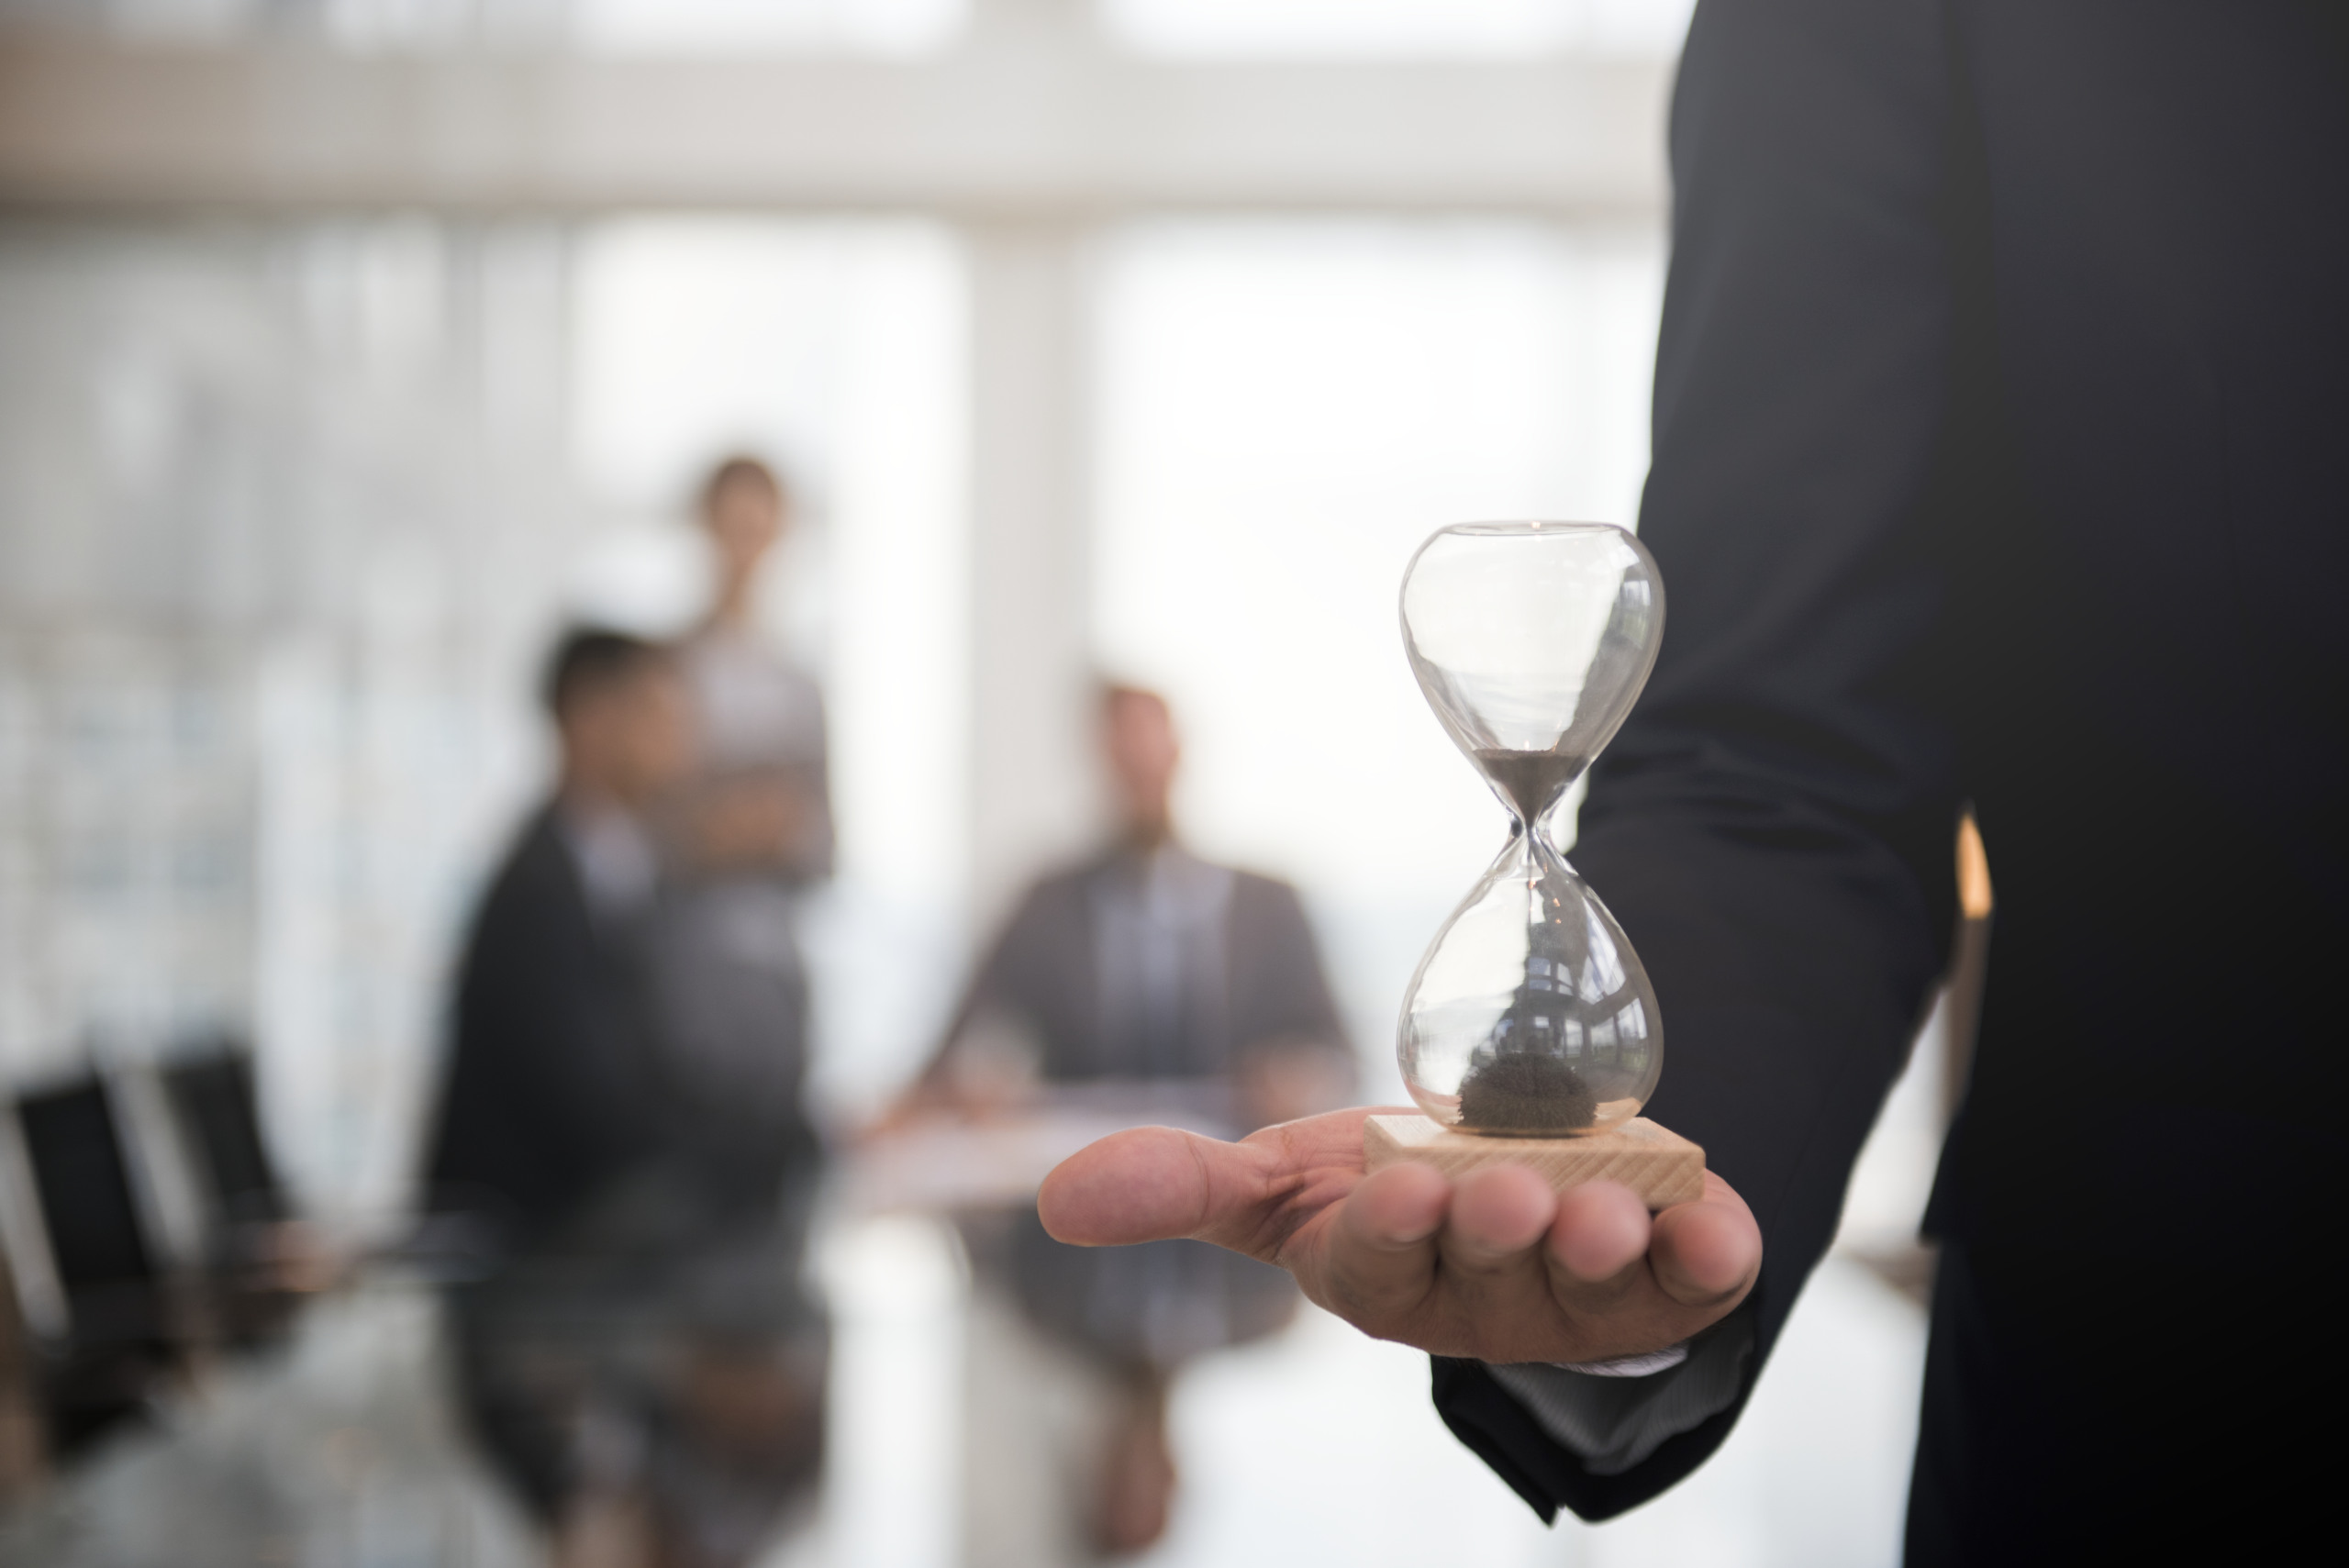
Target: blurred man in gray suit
[1145, 965]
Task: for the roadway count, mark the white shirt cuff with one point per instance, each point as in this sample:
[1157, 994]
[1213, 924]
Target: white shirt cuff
[1646, 1365]
[1612, 1417]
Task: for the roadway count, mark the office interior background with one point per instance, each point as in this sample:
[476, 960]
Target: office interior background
[349, 348]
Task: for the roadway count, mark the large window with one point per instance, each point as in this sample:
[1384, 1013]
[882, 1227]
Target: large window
[836, 350]
[293, 512]
[1288, 410]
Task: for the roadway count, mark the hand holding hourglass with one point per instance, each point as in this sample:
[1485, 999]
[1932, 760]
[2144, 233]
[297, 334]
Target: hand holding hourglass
[1531, 1020]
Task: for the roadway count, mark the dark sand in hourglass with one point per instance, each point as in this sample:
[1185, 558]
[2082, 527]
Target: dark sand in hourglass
[1531, 780]
[1524, 1093]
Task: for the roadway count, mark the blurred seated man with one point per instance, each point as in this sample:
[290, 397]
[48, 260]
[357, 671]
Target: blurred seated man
[549, 1080]
[1145, 966]
[642, 1363]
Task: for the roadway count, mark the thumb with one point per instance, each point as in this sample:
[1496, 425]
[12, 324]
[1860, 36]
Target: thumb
[1146, 1185]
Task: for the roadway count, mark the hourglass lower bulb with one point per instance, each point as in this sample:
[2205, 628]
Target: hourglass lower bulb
[1531, 1018]
[1530, 1015]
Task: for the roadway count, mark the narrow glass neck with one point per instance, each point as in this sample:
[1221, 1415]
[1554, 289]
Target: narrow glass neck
[1537, 850]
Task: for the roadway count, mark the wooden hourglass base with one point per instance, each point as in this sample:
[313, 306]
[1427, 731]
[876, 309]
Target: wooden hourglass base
[1657, 1164]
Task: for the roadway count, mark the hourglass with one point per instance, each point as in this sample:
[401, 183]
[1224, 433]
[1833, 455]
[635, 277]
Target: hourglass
[1530, 1032]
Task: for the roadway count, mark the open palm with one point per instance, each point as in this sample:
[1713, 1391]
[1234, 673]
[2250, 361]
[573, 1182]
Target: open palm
[1496, 1267]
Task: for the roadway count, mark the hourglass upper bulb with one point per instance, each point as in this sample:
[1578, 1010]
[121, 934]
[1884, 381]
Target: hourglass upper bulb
[1530, 1014]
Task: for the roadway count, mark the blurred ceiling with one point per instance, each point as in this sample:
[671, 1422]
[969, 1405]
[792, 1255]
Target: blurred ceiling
[1026, 117]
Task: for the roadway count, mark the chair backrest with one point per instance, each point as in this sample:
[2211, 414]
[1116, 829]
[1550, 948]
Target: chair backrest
[96, 1236]
[212, 1100]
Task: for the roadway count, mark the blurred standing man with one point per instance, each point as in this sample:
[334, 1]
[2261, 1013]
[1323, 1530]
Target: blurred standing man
[1999, 454]
[1145, 967]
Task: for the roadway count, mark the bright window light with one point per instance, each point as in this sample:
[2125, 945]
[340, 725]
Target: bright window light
[1288, 410]
[835, 349]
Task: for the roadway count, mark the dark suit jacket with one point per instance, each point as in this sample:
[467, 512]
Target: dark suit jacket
[2002, 454]
[549, 1088]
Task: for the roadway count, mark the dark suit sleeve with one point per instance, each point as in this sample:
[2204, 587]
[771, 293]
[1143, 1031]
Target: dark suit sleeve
[1773, 827]
[547, 1091]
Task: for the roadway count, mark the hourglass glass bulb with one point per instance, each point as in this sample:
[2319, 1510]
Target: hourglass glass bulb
[1530, 1014]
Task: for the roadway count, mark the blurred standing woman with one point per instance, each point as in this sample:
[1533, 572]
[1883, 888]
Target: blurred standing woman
[749, 833]
[764, 804]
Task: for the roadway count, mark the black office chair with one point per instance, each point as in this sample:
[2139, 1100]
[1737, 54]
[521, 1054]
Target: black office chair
[243, 1205]
[123, 1331]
